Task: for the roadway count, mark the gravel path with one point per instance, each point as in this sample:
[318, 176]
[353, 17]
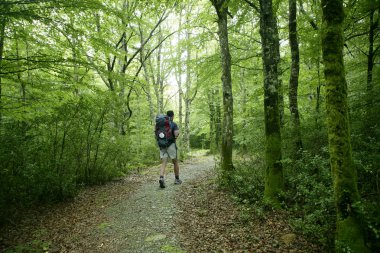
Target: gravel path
[144, 222]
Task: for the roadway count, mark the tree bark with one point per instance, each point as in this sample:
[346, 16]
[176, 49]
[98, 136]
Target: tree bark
[227, 134]
[373, 25]
[3, 22]
[188, 100]
[147, 90]
[294, 74]
[215, 118]
[179, 71]
[349, 235]
[274, 182]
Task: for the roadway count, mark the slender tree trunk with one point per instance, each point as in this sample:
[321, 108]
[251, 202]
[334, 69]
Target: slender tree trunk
[147, 89]
[211, 101]
[373, 25]
[349, 235]
[218, 120]
[215, 119]
[3, 22]
[188, 84]
[274, 182]
[179, 71]
[160, 81]
[243, 105]
[227, 135]
[294, 74]
[370, 58]
[318, 95]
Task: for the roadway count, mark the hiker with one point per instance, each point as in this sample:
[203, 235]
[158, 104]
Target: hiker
[167, 132]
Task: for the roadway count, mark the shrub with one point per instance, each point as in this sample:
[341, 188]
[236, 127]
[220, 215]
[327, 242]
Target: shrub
[309, 197]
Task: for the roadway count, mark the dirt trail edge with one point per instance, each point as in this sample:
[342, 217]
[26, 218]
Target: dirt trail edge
[144, 222]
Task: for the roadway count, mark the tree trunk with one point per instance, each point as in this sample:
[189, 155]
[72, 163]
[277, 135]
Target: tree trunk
[160, 80]
[211, 101]
[370, 56]
[294, 74]
[3, 22]
[274, 182]
[215, 125]
[373, 25]
[147, 90]
[227, 135]
[179, 72]
[188, 100]
[349, 234]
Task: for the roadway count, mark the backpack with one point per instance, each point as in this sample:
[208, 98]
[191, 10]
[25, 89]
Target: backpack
[164, 131]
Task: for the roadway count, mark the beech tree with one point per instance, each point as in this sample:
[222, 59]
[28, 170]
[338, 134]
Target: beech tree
[221, 7]
[349, 235]
[294, 74]
[274, 182]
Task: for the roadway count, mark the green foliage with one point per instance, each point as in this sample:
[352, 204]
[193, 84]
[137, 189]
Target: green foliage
[309, 196]
[369, 211]
[247, 182]
[61, 124]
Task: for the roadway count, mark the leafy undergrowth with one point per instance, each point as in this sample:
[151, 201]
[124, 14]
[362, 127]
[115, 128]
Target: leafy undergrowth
[210, 221]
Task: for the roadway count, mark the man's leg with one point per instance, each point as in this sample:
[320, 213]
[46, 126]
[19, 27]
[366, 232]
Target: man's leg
[176, 171]
[164, 162]
[176, 168]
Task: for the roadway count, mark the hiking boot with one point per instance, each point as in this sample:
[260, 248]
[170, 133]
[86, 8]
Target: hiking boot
[162, 183]
[178, 181]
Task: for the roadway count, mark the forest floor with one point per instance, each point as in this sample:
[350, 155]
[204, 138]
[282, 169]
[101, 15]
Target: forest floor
[134, 215]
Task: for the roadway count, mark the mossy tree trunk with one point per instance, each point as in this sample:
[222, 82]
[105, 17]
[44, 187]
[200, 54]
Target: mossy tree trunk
[294, 74]
[274, 182]
[227, 132]
[349, 236]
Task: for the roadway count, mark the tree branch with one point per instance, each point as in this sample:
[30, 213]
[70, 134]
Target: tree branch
[252, 5]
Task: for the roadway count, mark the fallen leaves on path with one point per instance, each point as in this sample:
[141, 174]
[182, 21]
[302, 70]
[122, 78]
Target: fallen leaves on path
[68, 226]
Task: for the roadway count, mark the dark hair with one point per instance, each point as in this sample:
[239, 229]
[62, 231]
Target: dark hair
[170, 114]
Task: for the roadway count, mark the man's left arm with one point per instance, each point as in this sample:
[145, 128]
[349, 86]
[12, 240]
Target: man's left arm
[175, 130]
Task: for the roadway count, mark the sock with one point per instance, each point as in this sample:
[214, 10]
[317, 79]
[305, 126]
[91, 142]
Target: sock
[176, 177]
[161, 177]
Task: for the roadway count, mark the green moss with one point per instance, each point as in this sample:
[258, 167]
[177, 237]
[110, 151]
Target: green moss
[274, 180]
[349, 236]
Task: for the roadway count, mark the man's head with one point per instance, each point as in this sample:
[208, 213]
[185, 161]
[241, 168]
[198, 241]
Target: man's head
[170, 114]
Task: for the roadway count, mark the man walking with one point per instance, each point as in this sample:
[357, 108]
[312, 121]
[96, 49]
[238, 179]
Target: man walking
[170, 151]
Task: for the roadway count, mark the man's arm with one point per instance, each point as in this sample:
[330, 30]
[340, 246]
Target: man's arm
[175, 130]
[176, 133]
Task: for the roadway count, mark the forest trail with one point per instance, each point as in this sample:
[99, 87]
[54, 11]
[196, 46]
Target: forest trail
[134, 215]
[145, 221]
[129, 215]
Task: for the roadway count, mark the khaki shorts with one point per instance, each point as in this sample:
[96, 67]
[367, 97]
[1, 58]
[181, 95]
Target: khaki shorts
[170, 152]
